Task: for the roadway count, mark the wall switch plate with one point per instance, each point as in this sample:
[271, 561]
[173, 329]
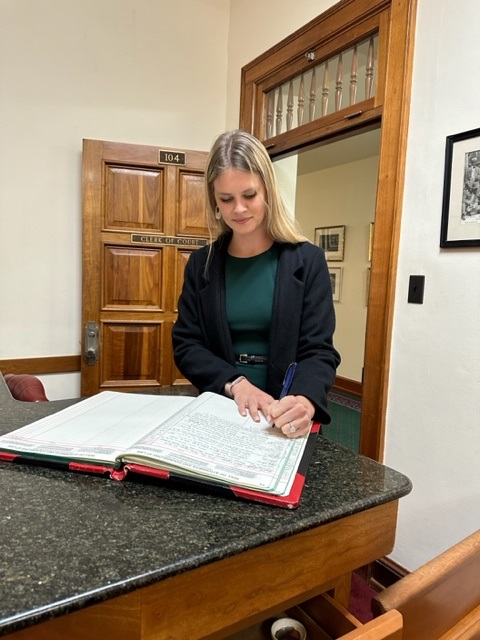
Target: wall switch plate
[416, 288]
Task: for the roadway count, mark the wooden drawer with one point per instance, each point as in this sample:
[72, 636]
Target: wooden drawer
[322, 617]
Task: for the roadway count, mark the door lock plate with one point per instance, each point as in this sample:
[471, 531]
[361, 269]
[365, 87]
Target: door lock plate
[91, 343]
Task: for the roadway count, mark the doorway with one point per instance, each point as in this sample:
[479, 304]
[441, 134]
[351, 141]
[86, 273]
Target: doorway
[333, 186]
[339, 30]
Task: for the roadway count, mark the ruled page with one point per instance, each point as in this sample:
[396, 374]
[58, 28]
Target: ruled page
[97, 428]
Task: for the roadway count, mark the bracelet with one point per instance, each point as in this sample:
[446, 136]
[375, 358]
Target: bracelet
[229, 385]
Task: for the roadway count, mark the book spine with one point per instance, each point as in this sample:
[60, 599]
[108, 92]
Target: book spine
[8, 457]
[86, 467]
[147, 471]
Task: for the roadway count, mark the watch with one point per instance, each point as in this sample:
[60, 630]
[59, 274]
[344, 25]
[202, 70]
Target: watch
[229, 385]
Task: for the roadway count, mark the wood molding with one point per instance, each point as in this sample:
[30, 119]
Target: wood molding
[382, 573]
[35, 366]
[386, 572]
[352, 387]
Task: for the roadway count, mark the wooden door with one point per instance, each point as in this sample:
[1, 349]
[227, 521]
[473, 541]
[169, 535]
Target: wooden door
[143, 214]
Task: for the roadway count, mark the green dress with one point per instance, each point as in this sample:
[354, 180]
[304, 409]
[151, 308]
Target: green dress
[250, 286]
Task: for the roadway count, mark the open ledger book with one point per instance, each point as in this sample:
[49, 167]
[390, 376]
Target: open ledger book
[203, 439]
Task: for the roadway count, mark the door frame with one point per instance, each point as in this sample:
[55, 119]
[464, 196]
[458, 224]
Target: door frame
[396, 19]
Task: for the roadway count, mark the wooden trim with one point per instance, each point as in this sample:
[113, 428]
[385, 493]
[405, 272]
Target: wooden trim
[382, 573]
[35, 366]
[385, 572]
[352, 387]
[391, 175]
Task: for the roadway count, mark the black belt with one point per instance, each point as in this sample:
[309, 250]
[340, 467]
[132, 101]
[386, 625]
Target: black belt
[247, 358]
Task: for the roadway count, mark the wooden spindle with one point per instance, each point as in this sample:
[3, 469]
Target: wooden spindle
[290, 106]
[369, 70]
[313, 96]
[325, 89]
[278, 121]
[301, 102]
[339, 83]
[353, 76]
[270, 104]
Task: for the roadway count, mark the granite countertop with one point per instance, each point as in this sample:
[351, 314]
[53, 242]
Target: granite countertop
[69, 540]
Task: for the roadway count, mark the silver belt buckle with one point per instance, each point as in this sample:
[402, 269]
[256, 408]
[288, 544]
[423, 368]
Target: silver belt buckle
[243, 358]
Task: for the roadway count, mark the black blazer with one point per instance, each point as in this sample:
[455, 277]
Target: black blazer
[303, 322]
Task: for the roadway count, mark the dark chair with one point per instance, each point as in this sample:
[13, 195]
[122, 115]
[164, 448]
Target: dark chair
[25, 387]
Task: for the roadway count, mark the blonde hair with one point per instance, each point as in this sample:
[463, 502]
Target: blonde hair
[240, 150]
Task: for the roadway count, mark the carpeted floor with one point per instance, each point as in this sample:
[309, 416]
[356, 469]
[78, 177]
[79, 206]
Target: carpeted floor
[361, 595]
[345, 426]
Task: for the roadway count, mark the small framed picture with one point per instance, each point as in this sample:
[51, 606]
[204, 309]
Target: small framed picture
[332, 241]
[336, 280]
[461, 191]
[370, 241]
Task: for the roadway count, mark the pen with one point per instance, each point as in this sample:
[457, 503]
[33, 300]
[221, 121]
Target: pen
[287, 381]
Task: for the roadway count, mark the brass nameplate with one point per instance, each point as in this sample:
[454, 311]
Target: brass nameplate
[171, 157]
[175, 241]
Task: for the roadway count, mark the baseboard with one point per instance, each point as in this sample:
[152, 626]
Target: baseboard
[382, 573]
[352, 387]
[386, 572]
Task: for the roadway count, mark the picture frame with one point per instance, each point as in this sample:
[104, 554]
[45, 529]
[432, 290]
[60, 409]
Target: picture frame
[332, 241]
[336, 277]
[460, 225]
[367, 286]
[370, 240]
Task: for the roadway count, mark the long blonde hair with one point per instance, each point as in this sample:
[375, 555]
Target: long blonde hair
[240, 150]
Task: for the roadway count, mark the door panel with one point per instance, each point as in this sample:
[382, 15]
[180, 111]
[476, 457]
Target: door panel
[191, 212]
[141, 221]
[134, 198]
[131, 353]
[133, 278]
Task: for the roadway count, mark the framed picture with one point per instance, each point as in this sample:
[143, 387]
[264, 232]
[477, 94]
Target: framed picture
[461, 191]
[370, 241]
[336, 280]
[367, 286]
[332, 241]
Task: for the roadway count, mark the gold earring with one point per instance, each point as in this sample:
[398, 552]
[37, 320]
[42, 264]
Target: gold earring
[218, 215]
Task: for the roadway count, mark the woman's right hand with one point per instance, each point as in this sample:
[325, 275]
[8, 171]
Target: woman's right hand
[250, 398]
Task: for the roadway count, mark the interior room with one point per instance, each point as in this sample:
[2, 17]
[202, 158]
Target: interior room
[169, 75]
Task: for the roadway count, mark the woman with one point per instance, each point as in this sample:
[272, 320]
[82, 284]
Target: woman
[256, 299]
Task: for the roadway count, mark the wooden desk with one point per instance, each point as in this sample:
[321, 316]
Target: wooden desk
[85, 557]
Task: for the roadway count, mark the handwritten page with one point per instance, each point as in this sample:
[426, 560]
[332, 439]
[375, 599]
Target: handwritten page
[207, 438]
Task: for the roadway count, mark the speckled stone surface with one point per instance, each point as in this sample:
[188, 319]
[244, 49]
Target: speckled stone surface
[69, 540]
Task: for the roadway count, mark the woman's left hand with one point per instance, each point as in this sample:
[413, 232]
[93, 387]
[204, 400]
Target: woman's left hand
[293, 415]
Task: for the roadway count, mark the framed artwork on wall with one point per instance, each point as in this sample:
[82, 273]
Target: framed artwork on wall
[370, 240]
[332, 241]
[336, 274]
[461, 191]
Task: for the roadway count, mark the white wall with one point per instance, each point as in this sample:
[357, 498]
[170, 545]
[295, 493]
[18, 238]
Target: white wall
[147, 72]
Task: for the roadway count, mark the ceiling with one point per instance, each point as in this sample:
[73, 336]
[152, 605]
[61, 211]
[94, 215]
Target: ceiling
[364, 144]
